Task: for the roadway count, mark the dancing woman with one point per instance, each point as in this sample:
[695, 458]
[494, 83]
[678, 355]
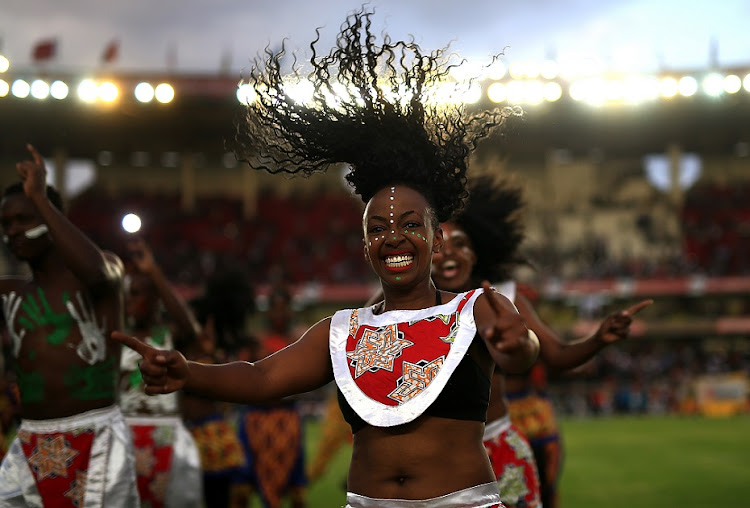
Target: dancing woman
[414, 371]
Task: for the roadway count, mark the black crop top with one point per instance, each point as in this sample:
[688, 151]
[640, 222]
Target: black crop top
[466, 396]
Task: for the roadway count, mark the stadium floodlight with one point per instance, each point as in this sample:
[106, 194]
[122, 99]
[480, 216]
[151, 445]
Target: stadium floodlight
[713, 84]
[550, 69]
[87, 90]
[668, 87]
[4, 88]
[533, 92]
[496, 92]
[552, 91]
[131, 223]
[164, 93]
[517, 70]
[246, 94]
[20, 89]
[39, 89]
[746, 83]
[107, 91]
[301, 91]
[732, 84]
[144, 92]
[4, 64]
[639, 89]
[516, 92]
[687, 86]
[496, 71]
[59, 90]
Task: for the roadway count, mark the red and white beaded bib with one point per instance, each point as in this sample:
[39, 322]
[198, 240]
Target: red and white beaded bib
[390, 367]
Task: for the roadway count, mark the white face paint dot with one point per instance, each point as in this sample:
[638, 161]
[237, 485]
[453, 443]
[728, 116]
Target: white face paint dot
[391, 198]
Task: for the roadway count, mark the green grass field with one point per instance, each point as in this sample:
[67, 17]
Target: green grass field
[624, 462]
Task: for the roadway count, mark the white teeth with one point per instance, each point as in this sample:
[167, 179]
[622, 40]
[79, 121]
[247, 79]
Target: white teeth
[449, 265]
[399, 261]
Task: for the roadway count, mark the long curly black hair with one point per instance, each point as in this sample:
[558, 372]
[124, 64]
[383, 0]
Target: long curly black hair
[354, 118]
[492, 220]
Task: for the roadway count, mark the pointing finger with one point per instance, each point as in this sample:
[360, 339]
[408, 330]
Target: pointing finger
[136, 345]
[637, 307]
[492, 298]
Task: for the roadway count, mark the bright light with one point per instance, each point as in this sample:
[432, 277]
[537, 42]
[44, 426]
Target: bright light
[640, 89]
[131, 223]
[687, 86]
[300, 92]
[246, 94]
[552, 91]
[144, 92]
[497, 70]
[59, 90]
[496, 93]
[87, 91]
[4, 64]
[534, 92]
[594, 91]
[470, 94]
[39, 89]
[713, 84]
[732, 84]
[746, 83]
[668, 87]
[550, 69]
[164, 93]
[517, 70]
[516, 92]
[20, 89]
[4, 88]
[108, 91]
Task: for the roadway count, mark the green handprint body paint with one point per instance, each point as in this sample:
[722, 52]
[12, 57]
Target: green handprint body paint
[92, 381]
[30, 385]
[41, 314]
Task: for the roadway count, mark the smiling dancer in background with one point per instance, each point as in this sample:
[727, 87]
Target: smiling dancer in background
[413, 371]
[481, 243]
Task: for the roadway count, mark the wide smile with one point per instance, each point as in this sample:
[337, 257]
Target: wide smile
[398, 262]
[448, 270]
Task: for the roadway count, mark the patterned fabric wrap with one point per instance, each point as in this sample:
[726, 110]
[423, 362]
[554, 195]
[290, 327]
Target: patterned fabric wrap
[83, 461]
[218, 445]
[167, 463]
[392, 366]
[274, 443]
[481, 496]
[534, 415]
[513, 463]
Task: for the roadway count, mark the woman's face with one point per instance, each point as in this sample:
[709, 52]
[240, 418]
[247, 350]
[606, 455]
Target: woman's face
[399, 236]
[453, 265]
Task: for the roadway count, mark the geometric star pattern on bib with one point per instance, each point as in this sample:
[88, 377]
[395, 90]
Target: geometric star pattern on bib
[51, 457]
[417, 376]
[378, 349]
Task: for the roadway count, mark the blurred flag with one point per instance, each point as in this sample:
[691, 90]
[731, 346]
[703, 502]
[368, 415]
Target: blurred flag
[111, 52]
[44, 50]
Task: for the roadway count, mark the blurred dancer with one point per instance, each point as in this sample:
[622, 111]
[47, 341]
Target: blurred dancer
[167, 460]
[73, 447]
[273, 434]
[481, 243]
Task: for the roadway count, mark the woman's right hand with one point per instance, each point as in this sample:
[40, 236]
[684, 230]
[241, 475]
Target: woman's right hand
[163, 371]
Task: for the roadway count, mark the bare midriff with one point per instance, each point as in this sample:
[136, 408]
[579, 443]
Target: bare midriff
[426, 458]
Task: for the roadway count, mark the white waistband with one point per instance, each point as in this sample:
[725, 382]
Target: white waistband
[481, 496]
[154, 420]
[88, 419]
[496, 427]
